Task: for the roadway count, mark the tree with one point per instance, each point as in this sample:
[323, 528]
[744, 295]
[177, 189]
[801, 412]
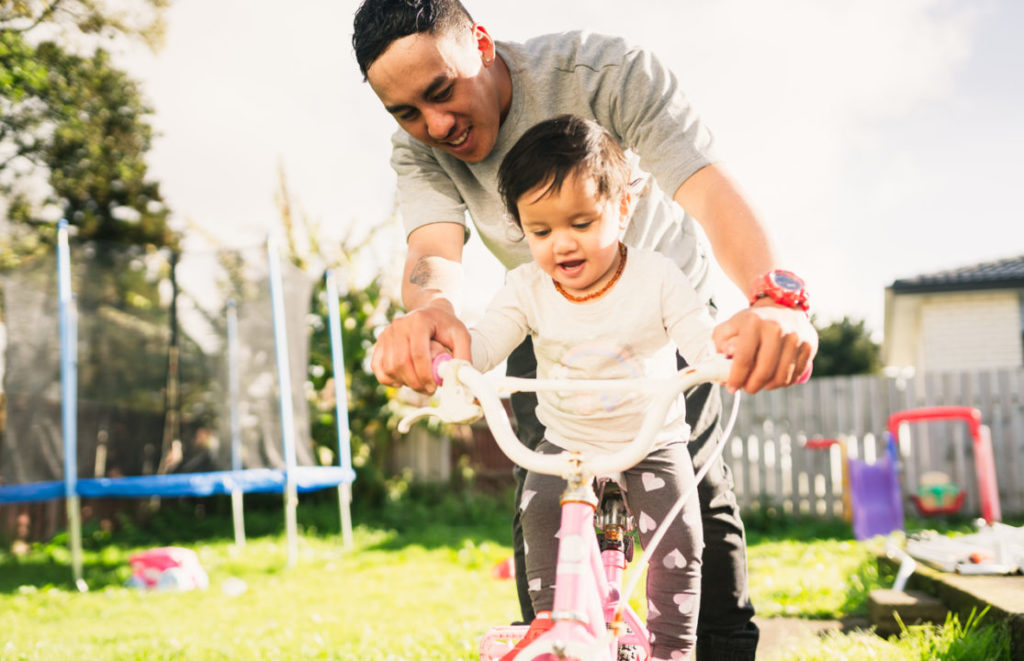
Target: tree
[73, 128]
[845, 347]
[99, 19]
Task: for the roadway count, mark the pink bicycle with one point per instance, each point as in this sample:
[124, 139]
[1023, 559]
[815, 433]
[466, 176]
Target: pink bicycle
[591, 619]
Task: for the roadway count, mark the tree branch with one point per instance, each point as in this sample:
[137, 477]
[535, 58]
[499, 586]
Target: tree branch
[46, 13]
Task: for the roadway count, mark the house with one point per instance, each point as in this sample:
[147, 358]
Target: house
[962, 319]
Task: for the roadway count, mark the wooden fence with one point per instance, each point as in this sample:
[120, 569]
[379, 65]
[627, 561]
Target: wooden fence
[770, 463]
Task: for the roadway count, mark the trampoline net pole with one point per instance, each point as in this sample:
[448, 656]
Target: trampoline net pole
[69, 402]
[291, 497]
[237, 497]
[238, 517]
[75, 541]
[345, 506]
[340, 405]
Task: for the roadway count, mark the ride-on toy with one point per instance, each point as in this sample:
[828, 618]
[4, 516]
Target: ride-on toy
[936, 495]
[873, 490]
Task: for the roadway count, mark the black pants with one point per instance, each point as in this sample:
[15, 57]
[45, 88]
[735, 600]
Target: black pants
[725, 631]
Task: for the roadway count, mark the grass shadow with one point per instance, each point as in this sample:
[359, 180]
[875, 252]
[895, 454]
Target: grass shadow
[427, 516]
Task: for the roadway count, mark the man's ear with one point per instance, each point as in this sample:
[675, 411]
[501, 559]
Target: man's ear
[484, 44]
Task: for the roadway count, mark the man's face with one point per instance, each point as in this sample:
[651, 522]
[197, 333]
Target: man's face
[448, 91]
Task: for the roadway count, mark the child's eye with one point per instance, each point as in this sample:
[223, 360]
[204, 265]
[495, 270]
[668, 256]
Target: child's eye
[540, 233]
[583, 226]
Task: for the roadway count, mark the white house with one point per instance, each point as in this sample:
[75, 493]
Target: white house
[961, 319]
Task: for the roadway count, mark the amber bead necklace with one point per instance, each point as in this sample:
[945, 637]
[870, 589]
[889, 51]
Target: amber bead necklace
[603, 290]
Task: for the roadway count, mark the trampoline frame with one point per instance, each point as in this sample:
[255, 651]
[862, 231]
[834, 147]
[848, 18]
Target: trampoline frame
[290, 480]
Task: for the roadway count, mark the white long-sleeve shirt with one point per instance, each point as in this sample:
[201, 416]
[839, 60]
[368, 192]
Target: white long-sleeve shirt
[631, 331]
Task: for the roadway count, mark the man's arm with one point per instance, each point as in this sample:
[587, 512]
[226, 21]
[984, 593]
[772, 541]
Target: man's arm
[433, 266]
[772, 346]
[431, 284]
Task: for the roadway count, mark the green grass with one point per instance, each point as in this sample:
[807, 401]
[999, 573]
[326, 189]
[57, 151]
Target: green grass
[417, 585]
[817, 579]
[953, 641]
[374, 602]
[419, 589]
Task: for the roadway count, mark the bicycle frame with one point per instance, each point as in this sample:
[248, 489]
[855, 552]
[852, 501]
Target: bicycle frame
[590, 616]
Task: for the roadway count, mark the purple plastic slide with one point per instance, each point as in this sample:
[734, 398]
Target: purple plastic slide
[875, 495]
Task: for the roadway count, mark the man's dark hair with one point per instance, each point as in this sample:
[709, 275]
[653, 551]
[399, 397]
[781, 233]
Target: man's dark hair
[378, 23]
[554, 149]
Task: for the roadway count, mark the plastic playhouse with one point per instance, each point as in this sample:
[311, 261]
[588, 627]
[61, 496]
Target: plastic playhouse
[873, 491]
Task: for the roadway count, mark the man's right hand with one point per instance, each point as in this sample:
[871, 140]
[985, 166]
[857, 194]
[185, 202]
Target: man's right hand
[402, 355]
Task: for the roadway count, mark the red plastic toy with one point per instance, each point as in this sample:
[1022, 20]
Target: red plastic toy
[941, 501]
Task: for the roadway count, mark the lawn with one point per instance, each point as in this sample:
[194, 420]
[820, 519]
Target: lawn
[373, 602]
[417, 585]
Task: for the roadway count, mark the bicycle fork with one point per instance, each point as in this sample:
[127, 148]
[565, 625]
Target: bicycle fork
[587, 588]
[616, 553]
[588, 584]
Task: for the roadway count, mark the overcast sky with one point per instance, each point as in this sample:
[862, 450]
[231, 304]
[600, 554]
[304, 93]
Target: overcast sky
[877, 139]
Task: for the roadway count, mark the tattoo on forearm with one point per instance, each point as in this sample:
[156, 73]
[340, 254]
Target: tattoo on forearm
[421, 273]
[433, 276]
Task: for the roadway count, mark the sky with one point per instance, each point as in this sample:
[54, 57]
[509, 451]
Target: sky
[877, 140]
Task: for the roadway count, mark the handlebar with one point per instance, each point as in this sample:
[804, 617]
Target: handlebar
[460, 383]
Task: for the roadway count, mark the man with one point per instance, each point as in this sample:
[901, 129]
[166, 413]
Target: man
[462, 100]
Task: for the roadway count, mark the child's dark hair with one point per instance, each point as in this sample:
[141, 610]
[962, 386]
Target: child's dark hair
[378, 23]
[553, 150]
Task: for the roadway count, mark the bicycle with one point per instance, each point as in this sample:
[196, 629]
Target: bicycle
[592, 620]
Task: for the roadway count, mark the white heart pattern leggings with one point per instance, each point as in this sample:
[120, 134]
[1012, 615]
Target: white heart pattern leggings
[651, 489]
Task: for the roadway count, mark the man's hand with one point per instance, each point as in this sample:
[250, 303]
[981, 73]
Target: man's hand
[403, 353]
[771, 347]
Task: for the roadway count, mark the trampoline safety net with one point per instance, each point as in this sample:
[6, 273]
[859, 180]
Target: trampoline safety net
[176, 364]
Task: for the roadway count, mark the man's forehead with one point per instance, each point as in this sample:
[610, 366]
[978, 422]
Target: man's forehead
[411, 65]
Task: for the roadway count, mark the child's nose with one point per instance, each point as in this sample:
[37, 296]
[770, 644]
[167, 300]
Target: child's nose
[565, 242]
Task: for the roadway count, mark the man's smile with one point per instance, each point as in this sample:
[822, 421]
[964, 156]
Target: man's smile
[459, 140]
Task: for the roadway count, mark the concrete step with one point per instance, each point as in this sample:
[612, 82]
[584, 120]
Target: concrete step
[913, 607]
[1003, 596]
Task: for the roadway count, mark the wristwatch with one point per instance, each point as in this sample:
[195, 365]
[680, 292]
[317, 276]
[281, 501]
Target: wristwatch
[784, 287]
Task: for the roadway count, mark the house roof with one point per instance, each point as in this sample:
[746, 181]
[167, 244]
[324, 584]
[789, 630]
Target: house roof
[1000, 274]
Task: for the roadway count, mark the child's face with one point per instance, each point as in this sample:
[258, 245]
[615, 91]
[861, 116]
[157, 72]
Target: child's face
[574, 234]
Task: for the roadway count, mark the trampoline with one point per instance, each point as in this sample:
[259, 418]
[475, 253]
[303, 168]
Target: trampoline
[132, 373]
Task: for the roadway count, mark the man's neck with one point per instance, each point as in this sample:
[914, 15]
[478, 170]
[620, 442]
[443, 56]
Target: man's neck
[504, 85]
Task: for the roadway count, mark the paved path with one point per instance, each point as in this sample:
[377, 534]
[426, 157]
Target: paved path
[782, 634]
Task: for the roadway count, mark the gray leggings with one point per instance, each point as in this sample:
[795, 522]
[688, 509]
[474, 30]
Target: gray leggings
[651, 488]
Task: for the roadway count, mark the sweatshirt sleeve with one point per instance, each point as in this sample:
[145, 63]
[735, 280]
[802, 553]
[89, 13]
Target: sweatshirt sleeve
[426, 193]
[503, 327]
[686, 317]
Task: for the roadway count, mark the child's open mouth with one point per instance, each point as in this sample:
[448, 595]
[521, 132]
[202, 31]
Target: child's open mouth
[571, 267]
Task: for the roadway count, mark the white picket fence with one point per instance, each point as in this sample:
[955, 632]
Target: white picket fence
[771, 466]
